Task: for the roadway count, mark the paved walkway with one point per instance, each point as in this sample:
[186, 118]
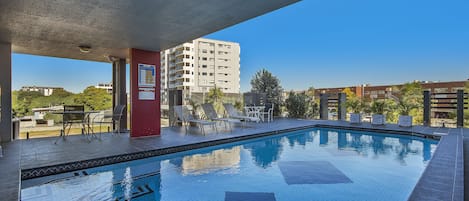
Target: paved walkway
[42, 156]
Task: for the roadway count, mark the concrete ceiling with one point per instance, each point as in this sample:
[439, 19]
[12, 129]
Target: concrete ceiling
[57, 27]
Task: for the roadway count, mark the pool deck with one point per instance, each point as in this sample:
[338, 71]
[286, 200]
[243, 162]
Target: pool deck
[443, 179]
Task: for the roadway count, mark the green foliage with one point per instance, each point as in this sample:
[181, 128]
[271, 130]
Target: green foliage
[22, 105]
[312, 111]
[378, 107]
[195, 106]
[264, 82]
[412, 95]
[355, 104]
[239, 105]
[214, 95]
[296, 105]
[349, 93]
[94, 99]
[404, 106]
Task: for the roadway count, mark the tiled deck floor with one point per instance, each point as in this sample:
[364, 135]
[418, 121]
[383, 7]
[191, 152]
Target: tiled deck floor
[33, 153]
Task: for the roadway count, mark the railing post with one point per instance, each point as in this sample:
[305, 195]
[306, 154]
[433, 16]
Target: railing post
[426, 108]
[460, 109]
[323, 107]
[341, 110]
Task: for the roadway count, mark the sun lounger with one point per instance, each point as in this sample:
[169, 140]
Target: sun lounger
[187, 118]
[211, 114]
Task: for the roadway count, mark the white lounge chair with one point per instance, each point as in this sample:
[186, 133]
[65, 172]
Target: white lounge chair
[211, 114]
[233, 113]
[187, 118]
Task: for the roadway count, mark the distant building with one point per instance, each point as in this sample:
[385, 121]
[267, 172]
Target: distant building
[106, 86]
[391, 91]
[199, 65]
[46, 91]
[388, 91]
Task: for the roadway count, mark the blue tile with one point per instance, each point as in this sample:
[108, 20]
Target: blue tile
[249, 196]
[311, 172]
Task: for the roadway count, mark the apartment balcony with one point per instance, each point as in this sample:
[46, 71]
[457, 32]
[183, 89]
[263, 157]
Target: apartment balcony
[183, 60]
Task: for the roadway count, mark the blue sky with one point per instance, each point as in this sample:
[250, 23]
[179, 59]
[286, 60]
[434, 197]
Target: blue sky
[320, 43]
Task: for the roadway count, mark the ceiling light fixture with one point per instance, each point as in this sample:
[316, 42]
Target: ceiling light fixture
[85, 48]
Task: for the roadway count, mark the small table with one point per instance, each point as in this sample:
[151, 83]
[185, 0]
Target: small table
[86, 123]
[254, 111]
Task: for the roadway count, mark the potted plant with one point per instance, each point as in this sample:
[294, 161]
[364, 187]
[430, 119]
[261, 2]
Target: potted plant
[355, 105]
[378, 108]
[404, 107]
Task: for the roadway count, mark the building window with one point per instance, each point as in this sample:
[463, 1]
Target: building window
[441, 90]
[204, 58]
[188, 48]
[211, 74]
[204, 51]
[204, 66]
[204, 73]
[188, 64]
[211, 51]
[187, 56]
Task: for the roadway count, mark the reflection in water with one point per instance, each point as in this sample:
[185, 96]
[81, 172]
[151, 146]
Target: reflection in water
[379, 147]
[427, 151]
[341, 140]
[127, 184]
[140, 182]
[383, 145]
[323, 137]
[266, 151]
[215, 160]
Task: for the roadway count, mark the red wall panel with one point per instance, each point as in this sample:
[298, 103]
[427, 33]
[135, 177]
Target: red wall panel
[145, 117]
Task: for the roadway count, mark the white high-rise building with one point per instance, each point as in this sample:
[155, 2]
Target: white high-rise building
[198, 66]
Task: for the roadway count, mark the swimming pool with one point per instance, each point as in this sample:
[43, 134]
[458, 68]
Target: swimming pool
[314, 164]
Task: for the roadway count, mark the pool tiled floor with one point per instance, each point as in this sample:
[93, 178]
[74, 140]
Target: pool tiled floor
[312, 172]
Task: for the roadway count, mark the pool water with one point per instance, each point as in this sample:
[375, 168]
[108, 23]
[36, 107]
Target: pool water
[314, 164]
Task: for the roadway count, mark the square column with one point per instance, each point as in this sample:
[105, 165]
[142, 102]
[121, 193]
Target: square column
[119, 89]
[145, 113]
[5, 93]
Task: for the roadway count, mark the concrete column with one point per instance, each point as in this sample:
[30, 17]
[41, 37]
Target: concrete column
[5, 93]
[460, 109]
[323, 107]
[426, 108]
[119, 89]
[145, 113]
[342, 109]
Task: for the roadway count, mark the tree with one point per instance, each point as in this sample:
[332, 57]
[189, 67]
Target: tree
[94, 99]
[215, 96]
[412, 94]
[313, 104]
[349, 93]
[22, 104]
[264, 82]
[296, 105]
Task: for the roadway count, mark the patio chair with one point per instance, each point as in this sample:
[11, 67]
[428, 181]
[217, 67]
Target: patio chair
[233, 113]
[211, 114]
[188, 118]
[72, 114]
[269, 112]
[113, 118]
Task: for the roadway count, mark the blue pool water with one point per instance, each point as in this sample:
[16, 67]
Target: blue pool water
[315, 164]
